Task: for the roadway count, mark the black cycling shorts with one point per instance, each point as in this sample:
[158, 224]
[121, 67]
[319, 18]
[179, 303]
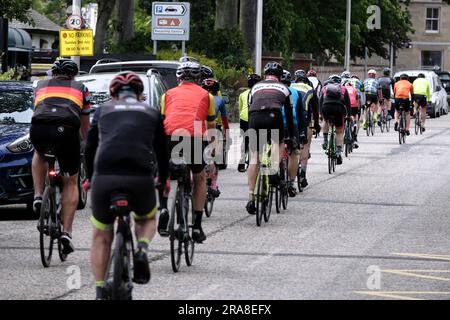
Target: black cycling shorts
[405, 103]
[355, 112]
[386, 94]
[371, 98]
[191, 150]
[65, 141]
[421, 100]
[141, 192]
[264, 127]
[334, 113]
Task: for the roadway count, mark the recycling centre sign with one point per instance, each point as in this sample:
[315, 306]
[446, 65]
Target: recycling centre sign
[76, 42]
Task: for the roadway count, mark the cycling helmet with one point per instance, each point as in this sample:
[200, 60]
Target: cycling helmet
[346, 75]
[65, 66]
[335, 79]
[404, 77]
[300, 74]
[372, 72]
[273, 69]
[207, 72]
[387, 72]
[286, 78]
[312, 73]
[126, 80]
[211, 85]
[188, 59]
[189, 71]
[253, 79]
[421, 75]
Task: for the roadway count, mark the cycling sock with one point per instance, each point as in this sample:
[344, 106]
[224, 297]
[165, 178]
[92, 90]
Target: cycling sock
[304, 168]
[198, 215]
[325, 137]
[143, 244]
[99, 284]
[251, 197]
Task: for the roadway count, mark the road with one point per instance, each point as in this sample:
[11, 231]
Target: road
[377, 229]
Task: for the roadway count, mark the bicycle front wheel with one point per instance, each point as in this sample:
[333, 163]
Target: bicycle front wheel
[189, 244]
[209, 206]
[261, 198]
[46, 240]
[176, 236]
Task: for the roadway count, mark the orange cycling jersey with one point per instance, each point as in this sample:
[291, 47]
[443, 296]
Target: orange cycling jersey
[186, 108]
[403, 89]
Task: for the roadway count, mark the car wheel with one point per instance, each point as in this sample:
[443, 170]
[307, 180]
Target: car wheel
[433, 112]
[82, 195]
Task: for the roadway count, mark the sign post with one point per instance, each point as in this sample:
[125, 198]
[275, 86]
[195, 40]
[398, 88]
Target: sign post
[171, 22]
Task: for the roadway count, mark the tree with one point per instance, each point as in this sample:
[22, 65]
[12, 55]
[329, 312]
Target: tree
[227, 14]
[125, 21]
[105, 10]
[17, 9]
[247, 24]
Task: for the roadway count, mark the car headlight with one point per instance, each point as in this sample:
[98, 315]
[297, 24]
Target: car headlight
[21, 145]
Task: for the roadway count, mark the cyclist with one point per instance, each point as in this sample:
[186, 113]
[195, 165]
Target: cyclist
[371, 88]
[346, 76]
[189, 116]
[136, 130]
[243, 115]
[403, 91]
[422, 96]
[335, 106]
[299, 118]
[213, 87]
[387, 86]
[303, 74]
[266, 100]
[311, 105]
[355, 108]
[316, 84]
[62, 108]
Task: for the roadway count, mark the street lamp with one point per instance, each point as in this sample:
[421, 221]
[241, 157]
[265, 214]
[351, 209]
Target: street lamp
[348, 35]
[259, 31]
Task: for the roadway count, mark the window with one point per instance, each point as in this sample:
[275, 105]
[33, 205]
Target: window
[432, 20]
[430, 59]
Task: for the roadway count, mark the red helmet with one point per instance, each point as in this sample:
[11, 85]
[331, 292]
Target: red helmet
[312, 73]
[126, 79]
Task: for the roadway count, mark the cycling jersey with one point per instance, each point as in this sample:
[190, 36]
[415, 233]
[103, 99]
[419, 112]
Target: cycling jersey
[403, 89]
[60, 102]
[357, 84]
[353, 94]
[386, 83]
[220, 106]
[123, 139]
[295, 112]
[187, 107]
[371, 86]
[422, 87]
[243, 105]
[310, 102]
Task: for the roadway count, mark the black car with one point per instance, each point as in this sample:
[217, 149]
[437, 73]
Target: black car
[445, 79]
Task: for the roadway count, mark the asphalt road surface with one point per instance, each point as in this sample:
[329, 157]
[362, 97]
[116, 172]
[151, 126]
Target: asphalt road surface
[377, 229]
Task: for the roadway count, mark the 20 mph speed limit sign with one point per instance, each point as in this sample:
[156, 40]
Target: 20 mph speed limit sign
[74, 22]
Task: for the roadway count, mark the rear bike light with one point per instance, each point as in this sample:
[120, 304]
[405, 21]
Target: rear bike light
[52, 173]
[122, 203]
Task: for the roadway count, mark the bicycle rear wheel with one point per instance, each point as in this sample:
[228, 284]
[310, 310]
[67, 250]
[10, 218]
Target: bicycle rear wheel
[269, 205]
[382, 121]
[45, 224]
[261, 198]
[189, 244]
[209, 205]
[417, 124]
[176, 236]
[120, 289]
[368, 123]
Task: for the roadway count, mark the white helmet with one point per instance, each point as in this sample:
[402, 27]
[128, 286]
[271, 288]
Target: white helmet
[372, 71]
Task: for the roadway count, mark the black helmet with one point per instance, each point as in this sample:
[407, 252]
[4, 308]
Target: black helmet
[404, 77]
[253, 79]
[189, 71]
[207, 73]
[211, 85]
[273, 69]
[65, 66]
[286, 78]
[421, 75]
[335, 79]
[387, 71]
[300, 76]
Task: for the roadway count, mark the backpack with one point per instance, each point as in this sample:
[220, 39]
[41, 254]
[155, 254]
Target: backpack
[353, 93]
[334, 91]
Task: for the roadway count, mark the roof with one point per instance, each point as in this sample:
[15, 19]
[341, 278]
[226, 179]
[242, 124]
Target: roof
[41, 23]
[136, 66]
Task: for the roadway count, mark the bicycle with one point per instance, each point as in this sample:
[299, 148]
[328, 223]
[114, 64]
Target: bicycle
[332, 151]
[119, 279]
[50, 224]
[370, 126]
[282, 194]
[210, 199]
[349, 139]
[264, 190]
[418, 120]
[402, 126]
[384, 118]
[180, 232]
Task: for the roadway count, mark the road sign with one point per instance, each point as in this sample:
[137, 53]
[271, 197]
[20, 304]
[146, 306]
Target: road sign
[76, 43]
[170, 21]
[74, 22]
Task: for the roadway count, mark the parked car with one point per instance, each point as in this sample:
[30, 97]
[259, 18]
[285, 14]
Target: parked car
[98, 85]
[439, 104]
[167, 69]
[444, 76]
[16, 150]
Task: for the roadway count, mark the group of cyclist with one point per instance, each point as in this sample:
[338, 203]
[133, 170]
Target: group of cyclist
[128, 144]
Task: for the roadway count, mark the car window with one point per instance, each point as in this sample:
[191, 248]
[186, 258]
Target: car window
[169, 76]
[444, 77]
[16, 106]
[158, 91]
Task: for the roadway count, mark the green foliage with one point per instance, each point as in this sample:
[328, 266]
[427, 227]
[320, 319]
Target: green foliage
[16, 9]
[9, 75]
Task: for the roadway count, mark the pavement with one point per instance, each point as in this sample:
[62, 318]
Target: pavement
[376, 229]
